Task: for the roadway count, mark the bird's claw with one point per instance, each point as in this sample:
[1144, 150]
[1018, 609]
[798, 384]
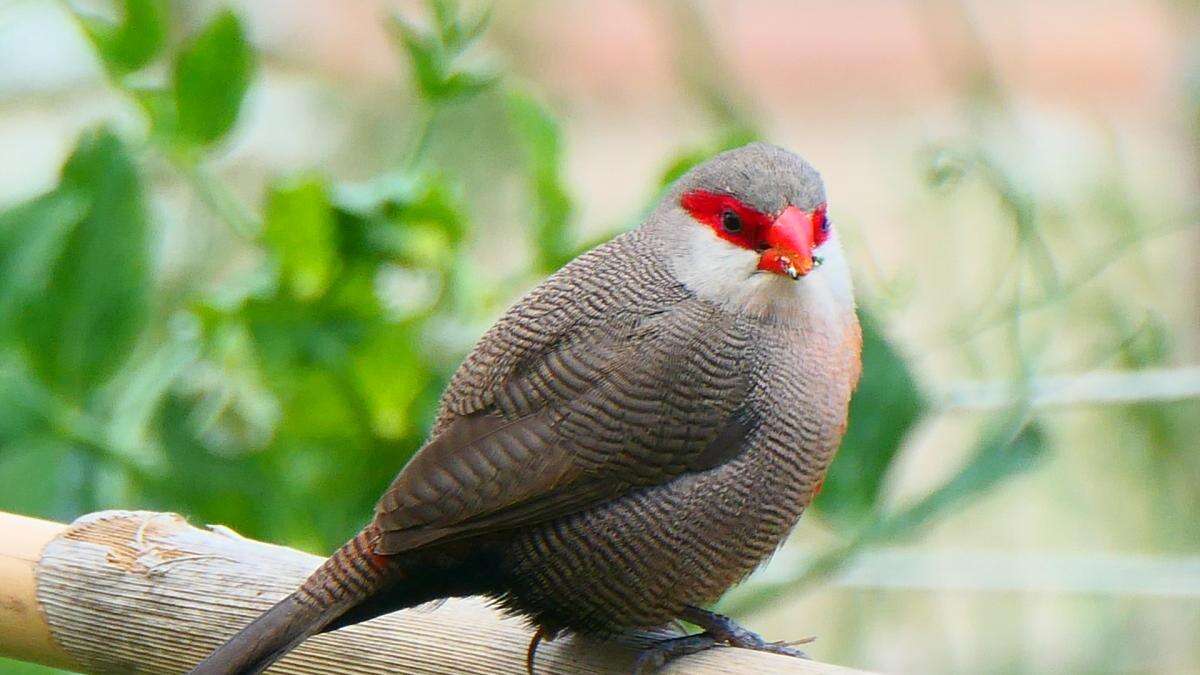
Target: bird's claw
[745, 639]
[783, 648]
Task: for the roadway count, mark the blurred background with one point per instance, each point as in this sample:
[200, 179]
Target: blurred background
[244, 244]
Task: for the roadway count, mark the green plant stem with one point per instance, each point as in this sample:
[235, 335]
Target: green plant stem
[72, 423]
[419, 145]
[219, 199]
[1100, 262]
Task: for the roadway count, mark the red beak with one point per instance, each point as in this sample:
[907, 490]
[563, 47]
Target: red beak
[789, 244]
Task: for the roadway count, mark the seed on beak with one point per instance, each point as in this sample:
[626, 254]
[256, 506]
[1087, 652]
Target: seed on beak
[786, 263]
[789, 244]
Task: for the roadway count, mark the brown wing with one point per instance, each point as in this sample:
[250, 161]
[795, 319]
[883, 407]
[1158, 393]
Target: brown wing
[619, 400]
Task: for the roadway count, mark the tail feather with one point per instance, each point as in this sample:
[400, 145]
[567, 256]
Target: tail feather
[265, 641]
[350, 576]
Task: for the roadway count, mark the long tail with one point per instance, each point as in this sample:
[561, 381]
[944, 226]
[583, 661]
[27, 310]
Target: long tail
[351, 575]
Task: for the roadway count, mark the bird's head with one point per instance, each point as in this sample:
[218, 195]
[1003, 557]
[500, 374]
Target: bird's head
[749, 229]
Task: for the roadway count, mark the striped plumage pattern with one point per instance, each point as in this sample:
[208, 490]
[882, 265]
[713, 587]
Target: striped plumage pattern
[686, 442]
[617, 446]
[350, 576]
[352, 573]
[685, 541]
[629, 394]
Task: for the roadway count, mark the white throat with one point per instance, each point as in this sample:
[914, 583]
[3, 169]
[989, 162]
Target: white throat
[728, 276]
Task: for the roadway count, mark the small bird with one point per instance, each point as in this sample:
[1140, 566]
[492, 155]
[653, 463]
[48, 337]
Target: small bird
[633, 437]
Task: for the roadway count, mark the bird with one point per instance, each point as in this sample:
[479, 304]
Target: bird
[630, 439]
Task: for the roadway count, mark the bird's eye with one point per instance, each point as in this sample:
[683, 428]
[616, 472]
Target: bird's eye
[731, 221]
[821, 226]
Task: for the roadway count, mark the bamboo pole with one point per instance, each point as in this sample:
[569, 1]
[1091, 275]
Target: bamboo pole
[24, 634]
[142, 592]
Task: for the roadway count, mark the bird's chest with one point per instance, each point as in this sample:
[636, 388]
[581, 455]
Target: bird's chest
[803, 396]
[637, 560]
[749, 505]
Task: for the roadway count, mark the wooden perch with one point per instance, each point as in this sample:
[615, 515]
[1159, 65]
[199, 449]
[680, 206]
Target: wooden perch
[126, 591]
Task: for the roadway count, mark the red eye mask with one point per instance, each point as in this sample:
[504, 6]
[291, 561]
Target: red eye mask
[785, 241]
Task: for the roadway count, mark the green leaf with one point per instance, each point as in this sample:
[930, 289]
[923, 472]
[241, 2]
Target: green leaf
[434, 53]
[428, 63]
[468, 30]
[137, 393]
[301, 231]
[134, 41]
[11, 667]
[387, 368]
[464, 85]
[25, 409]
[885, 407]
[434, 205]
[212, 75]
[159, 106]
[32, 237]
[221, 488]
[540, 134]
[401, 215]
[94, 300]
[445, 15]
[46, 496]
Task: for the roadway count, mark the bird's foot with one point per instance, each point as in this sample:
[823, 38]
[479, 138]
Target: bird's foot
[726, 631]
[718, 630]
[656, 655]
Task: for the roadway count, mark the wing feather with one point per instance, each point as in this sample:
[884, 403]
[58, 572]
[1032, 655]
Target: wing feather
[538, 428]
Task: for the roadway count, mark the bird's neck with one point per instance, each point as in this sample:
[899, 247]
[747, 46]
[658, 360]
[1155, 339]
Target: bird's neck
[822, 301]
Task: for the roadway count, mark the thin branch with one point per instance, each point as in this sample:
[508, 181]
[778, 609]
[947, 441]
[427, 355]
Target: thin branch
[1094, 388]
[219, 199]
[1119, 575]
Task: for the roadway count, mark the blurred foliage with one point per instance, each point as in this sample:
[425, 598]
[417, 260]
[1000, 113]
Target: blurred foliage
[81, 323]
[436, 54]
[885, 408]
[132, 42]
[212, 74]
[281, 399]
[1011, 444]
[544, 157]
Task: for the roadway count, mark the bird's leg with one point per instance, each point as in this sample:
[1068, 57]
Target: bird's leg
[724, 630]
[718, 630]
